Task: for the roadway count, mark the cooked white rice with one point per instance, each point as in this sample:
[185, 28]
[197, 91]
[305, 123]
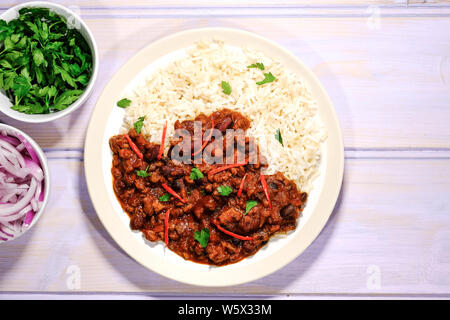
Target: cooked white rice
[192, 85]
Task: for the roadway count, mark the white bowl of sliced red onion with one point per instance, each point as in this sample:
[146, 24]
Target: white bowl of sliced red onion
[24, 183]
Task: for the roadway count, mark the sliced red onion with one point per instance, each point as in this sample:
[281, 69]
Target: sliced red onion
[12, 198]
[6, 210]
[38, 193]
[15, 171]
[28, 218]
[11, 140]
[34, 169]
[12, 150]
[29, 148]
[21, 185]
[20, 147]
[6, 233]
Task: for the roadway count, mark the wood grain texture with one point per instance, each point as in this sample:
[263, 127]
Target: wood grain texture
[386, 67]
[394, 221]
[218, 3]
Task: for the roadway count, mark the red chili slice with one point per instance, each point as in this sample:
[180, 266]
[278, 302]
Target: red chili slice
[229, 166]
[234, 235]
[134, 147]
[166, 227]
[207, 140]
[241, 186]
[266, 190]
[170, 190]
[161, 148]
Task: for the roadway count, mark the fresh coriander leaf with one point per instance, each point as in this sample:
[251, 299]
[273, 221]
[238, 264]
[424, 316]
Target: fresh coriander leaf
[22, 43]
[8, 80]
[196, 174]
[21, 87]
[5, 64]
[143, 173]
[8, 44]
[44, 31]
[268, 77]
[15, 38]
[66, 99]
[66, 76]
[75, 69]
[225, 190]
[258, 65]
[138, 124]
[226, 87]
[52, 92]
[33, 28]
[124, 103]
[249, 205]
[83, 79]
[202, 237]
[165, 197]
[39, 75]
[38, 46]
[12, 56]
[25, 73]
[279, 137]
[38, 57]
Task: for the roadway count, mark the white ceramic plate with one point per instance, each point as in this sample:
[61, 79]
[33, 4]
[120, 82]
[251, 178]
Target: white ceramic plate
[107, 119]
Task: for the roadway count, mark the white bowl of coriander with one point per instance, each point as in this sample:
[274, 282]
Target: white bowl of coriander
[48, 59]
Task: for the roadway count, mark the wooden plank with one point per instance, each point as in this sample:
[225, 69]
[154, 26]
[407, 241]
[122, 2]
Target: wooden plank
[179, 4]
[394, 224]
[390, 84]
[217, 3]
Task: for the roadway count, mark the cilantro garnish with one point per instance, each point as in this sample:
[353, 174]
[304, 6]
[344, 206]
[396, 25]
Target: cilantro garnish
[249, 205]
[225, 190]
[258, 65]
[196, 174]
[45, 66]
[202, 237]
[139, 123]
[143, 173]
[279, 137]
[268, 77]
[165, 197]
[226, 87]
[123, 103]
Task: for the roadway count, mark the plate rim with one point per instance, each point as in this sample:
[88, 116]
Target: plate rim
[165, 268]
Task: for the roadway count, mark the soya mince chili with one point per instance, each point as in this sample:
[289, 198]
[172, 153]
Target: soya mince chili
[196, 202]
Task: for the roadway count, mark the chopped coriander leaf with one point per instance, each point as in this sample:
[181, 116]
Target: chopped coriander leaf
[268, 77]
[203, 192]
[202, 237]
[138, 124]
[249, 205]
[258, 65]
[143, 173]
[226, 87]
[45, 66]
[165, 197]
[124, 103]
[196, 174]
[279, 137]
[225, 190]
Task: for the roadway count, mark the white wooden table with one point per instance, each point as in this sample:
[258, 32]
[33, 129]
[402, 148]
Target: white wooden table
[385, 65]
